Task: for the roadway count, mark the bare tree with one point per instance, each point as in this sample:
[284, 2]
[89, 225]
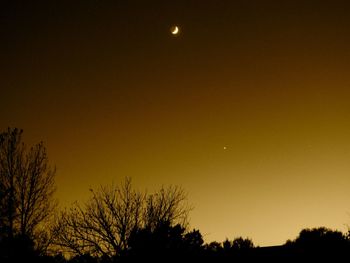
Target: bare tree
[167, 205]
[103, 226]
[11, 156]
[35, 190]
[105, 223]
[26, 186]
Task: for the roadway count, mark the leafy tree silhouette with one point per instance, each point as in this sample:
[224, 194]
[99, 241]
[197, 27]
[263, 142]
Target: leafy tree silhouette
[165, 243]
[319, 244]
[238, 244]
[193, 241]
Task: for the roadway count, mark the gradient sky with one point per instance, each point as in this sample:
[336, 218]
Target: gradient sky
[113, 94]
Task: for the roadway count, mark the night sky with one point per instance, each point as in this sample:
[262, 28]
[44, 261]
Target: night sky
[248, 108]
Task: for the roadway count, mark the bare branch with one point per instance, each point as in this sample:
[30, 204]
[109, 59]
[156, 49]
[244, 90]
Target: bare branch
[104, 225]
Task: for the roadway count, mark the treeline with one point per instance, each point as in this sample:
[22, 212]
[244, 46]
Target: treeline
[119, 223]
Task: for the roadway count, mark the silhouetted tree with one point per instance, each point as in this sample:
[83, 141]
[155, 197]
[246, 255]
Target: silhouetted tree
[319, 238]
[319, 243]
[237, 249]
[194, 240]
[163, 239]
[214, 247]
[165, 242]
[26, 188]
[241, 244]
[102, 227]
[167, 205]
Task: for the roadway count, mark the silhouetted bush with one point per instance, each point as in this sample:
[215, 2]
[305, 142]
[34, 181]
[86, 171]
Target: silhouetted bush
[165, 243]
[319, 244]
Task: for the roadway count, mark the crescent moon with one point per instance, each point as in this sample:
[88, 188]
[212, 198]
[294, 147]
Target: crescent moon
[175, 30]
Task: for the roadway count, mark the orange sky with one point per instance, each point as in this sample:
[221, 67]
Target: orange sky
[113, 94]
